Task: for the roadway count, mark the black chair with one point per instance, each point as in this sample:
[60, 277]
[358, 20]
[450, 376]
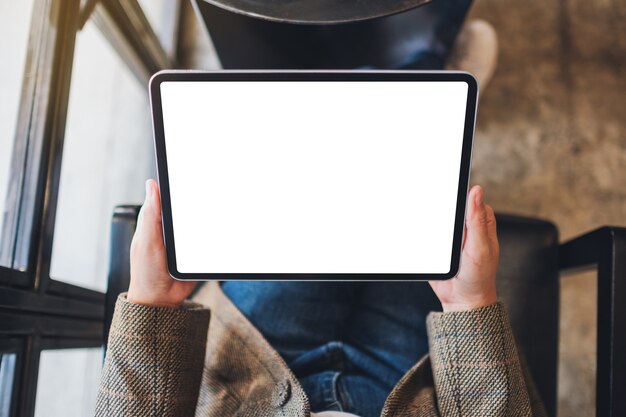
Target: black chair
[528, 282]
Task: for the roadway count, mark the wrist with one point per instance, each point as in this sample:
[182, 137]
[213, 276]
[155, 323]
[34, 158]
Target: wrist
[471, 304]
[148, 300]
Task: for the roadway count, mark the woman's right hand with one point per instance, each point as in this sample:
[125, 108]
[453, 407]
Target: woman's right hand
[150, 282]
[475, 284]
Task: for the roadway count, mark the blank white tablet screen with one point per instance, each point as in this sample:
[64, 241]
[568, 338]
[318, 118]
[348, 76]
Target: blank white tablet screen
[313, 177]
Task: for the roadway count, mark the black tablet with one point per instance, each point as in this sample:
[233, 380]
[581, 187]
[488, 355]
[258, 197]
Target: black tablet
[313, 175]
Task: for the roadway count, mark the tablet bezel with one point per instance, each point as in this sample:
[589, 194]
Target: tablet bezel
[313, 76]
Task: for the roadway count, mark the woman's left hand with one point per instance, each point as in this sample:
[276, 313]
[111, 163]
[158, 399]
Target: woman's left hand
[150, 282]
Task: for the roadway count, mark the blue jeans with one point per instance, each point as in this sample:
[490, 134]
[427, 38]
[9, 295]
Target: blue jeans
[348, 343]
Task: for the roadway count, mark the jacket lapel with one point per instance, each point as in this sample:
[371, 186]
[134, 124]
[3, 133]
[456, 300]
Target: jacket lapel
[243, 375]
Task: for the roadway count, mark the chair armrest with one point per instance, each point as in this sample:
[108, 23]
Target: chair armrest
[123, 226]
[606, 249]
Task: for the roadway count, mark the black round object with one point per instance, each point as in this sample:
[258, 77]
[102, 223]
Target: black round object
[317, 11]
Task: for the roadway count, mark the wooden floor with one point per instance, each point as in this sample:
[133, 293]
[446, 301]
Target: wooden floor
[551, 140]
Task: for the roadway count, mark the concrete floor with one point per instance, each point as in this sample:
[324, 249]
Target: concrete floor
[551, 141]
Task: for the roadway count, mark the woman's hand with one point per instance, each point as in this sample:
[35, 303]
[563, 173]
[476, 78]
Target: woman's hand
[150, 283]
[475, 284]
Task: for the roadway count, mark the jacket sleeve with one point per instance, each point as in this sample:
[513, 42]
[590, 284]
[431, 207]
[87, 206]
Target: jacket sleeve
[154, 361]
[475, 365]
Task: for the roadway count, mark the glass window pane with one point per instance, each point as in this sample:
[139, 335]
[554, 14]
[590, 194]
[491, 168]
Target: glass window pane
[68, 380]
[14, 31]
[7, 376]
[107, 156]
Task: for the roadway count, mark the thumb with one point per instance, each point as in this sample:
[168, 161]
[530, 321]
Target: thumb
[481, 238]
[149, 220]
[476, 213]
[477, 222]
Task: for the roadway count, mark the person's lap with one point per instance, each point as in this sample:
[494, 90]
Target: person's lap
[295, 317]
[348, 343]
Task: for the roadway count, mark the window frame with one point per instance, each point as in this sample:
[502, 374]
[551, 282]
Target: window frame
[36, 311]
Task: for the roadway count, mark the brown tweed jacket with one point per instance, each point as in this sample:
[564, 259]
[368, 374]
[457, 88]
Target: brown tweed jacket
[177, 362]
